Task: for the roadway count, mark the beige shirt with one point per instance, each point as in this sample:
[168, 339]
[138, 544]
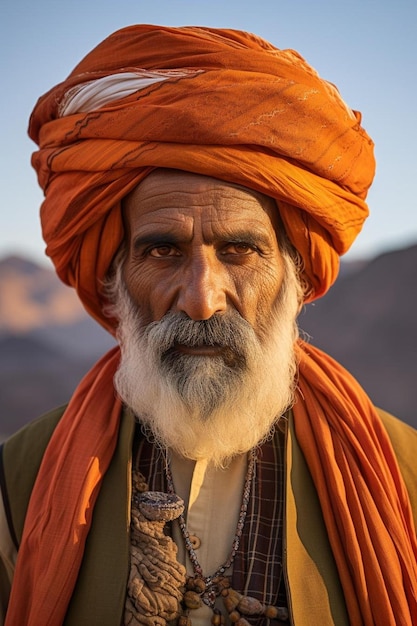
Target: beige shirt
[212, 499]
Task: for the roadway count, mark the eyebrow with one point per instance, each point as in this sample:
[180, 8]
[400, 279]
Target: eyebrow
[254, 238]
[153, 239]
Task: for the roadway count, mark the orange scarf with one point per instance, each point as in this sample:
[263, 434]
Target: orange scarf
[362, 495]
[364, 502]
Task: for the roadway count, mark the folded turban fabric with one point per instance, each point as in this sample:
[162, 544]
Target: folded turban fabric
[229, 105]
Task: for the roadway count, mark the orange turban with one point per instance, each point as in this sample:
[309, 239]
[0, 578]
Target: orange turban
[228, 105]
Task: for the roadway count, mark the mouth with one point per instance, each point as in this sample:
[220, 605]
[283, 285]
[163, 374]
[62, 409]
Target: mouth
[202, 350]
[229, 357]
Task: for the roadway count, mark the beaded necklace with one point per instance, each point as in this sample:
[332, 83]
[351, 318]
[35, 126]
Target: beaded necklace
[211, 583]
[200, 588]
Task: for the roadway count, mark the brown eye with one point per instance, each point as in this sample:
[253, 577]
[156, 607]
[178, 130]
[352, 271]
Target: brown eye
[238, 248]
[162, 251]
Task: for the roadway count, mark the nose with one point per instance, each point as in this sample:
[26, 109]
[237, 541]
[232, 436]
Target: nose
[203, 290]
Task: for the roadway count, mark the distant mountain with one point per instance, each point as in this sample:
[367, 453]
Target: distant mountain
[34, 303]
[34, 377]
[366, 321]
[47, 342]
[32, 297]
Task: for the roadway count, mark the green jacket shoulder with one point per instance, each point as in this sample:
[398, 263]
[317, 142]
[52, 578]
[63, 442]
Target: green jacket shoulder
[21, 458]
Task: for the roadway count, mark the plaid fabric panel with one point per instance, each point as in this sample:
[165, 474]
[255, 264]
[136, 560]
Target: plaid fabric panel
[257, 569]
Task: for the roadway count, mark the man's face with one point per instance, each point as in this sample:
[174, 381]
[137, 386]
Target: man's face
[201, 246]
[207, 308]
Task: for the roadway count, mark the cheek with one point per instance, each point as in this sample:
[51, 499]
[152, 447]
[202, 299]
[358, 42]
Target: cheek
[138, 286]
[149, 292]
[257, 292]
[266, 292]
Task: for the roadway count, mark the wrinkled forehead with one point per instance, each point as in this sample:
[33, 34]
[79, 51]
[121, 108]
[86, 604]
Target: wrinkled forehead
[169, 191]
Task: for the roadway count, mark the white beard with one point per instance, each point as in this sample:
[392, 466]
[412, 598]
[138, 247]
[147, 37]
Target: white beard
[205, 407]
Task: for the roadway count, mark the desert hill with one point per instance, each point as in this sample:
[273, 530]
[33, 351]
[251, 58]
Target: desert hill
[367, 322]
[47, 342]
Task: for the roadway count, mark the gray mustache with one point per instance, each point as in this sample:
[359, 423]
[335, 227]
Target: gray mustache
[229, 331]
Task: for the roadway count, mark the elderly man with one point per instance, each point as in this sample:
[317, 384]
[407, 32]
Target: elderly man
[200, 186]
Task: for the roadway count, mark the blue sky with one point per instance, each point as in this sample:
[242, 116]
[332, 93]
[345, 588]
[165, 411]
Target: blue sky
[367, 48]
